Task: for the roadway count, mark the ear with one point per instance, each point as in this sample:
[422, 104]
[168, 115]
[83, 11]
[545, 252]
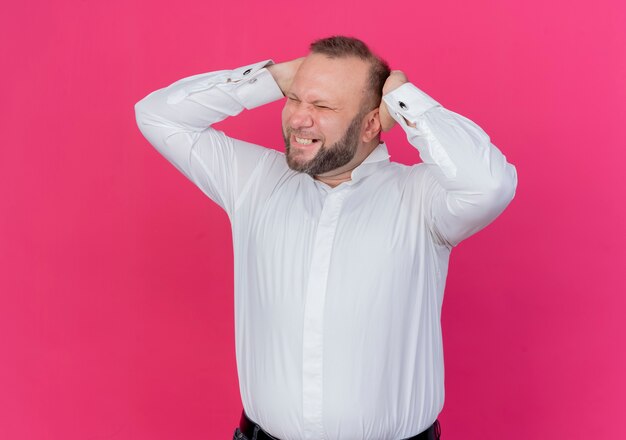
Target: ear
[371, 126]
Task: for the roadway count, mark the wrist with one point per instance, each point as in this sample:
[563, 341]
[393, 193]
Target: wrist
[283, 73]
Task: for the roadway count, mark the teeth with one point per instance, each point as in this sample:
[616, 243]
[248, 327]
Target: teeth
[303, 141]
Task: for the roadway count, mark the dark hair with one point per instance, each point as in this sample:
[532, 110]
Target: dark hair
[341, 47]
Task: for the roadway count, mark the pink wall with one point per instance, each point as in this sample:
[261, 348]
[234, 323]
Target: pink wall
[116, 273]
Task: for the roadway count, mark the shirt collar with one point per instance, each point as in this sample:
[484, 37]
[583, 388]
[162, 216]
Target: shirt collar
[378, 157]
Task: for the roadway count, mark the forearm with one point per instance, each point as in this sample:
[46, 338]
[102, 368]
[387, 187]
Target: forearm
[177, 121]
[477, 181]
[171, 116]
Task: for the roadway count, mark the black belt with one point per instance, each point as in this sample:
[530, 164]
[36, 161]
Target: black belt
[249, 428]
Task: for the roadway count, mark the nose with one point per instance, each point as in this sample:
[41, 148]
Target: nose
[300, 117]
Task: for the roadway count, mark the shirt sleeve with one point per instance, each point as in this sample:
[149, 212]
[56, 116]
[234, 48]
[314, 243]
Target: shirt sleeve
[177, 121]
[468, 181]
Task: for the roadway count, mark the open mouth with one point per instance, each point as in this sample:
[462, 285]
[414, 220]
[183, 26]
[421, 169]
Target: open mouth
[295, 140]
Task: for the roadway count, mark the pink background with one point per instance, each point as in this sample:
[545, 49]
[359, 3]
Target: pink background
[116, 272]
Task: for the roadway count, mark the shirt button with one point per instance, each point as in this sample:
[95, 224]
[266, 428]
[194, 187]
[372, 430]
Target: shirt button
[247, 71]
[403, 105]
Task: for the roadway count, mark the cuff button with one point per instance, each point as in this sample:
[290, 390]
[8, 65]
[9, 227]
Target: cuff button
[247, 71]
[252, 80]
[403, 105]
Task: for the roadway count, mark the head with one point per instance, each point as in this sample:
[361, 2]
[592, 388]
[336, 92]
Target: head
[330, 120]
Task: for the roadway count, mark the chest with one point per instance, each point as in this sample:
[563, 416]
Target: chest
[350, 224]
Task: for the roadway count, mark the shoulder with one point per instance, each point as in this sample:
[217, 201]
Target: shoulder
[410, 181]
[406, 173]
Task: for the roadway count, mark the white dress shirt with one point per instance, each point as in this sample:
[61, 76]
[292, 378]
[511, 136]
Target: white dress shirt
[338, 291]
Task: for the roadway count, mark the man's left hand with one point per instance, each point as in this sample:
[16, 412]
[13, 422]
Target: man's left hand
[395, 80]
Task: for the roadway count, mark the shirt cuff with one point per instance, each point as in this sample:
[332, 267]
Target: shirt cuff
[255, 85]
[408, 102]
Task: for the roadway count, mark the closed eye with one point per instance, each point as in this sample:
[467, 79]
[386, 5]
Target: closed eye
[319, 106]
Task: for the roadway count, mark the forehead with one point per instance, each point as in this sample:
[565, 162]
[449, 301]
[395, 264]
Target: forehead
[342, 80]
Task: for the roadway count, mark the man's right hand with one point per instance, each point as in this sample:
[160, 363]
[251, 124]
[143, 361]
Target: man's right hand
[284, 73]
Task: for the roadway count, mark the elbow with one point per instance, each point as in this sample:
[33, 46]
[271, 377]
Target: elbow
[140, 112]
[143, 117]
[475, 209]
[145, 121]
[508, 184]
[502, 190]
[145, 109]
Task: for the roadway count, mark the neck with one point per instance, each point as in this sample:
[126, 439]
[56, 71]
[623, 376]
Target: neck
[344, 174]
[337, 179]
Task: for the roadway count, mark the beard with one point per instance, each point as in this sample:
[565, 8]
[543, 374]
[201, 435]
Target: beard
[327, 159]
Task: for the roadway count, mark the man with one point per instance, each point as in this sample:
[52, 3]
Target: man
[341, 256]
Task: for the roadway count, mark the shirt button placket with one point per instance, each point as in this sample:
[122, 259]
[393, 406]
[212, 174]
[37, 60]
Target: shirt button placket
[312, 344]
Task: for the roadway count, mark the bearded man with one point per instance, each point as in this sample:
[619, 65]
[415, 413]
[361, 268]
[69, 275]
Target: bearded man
[341, 255]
